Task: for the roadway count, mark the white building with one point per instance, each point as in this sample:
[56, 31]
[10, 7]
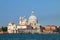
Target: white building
[33, 21]
[24, 23]
[11, 28]
[23, 20]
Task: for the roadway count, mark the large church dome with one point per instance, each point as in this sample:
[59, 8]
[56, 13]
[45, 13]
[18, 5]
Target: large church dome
[32, 17]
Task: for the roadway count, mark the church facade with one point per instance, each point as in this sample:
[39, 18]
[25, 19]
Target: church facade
[25, 26]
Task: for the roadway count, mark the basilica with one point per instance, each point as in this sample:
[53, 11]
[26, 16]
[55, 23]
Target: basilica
[25, 26]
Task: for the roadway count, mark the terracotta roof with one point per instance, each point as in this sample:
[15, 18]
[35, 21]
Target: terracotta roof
[23, 25]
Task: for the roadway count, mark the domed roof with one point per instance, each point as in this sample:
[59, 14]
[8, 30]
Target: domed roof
[33, 16]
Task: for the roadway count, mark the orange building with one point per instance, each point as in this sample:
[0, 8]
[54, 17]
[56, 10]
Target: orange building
[53, 27]
[47, 28]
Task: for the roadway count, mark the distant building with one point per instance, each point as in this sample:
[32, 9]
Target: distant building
[30, 25]
[50, 29]
[0, 29]
[11, 28]
[22, 23]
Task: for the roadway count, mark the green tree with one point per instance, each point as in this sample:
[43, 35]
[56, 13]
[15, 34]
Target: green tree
[4, 29]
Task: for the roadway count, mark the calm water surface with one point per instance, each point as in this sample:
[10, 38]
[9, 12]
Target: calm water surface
[29, 36]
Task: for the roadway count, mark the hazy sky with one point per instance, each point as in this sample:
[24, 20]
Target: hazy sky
[47, 11]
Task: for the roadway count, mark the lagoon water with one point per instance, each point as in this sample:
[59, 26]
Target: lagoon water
[29, 36]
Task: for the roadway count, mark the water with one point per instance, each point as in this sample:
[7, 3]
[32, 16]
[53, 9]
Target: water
[29, 36]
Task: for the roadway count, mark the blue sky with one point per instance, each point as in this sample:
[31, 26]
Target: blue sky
[47, 11]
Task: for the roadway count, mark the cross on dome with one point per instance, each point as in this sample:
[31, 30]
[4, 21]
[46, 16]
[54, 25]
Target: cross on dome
[32, 17]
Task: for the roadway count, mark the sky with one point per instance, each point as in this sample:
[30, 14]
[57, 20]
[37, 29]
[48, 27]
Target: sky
[46, 11]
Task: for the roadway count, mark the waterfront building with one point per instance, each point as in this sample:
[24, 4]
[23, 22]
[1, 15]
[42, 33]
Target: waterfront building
[33, 21]
[25, 26]
[0, 29]
[11, 28]
[50, 29]
[22, 23]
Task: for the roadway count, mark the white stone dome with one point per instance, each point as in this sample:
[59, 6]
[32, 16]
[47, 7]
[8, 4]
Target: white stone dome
[32, 17]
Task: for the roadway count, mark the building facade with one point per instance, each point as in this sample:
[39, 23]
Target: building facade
[25, 26]
[11, 28]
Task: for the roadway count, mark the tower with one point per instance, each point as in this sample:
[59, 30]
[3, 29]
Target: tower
[23, 20]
